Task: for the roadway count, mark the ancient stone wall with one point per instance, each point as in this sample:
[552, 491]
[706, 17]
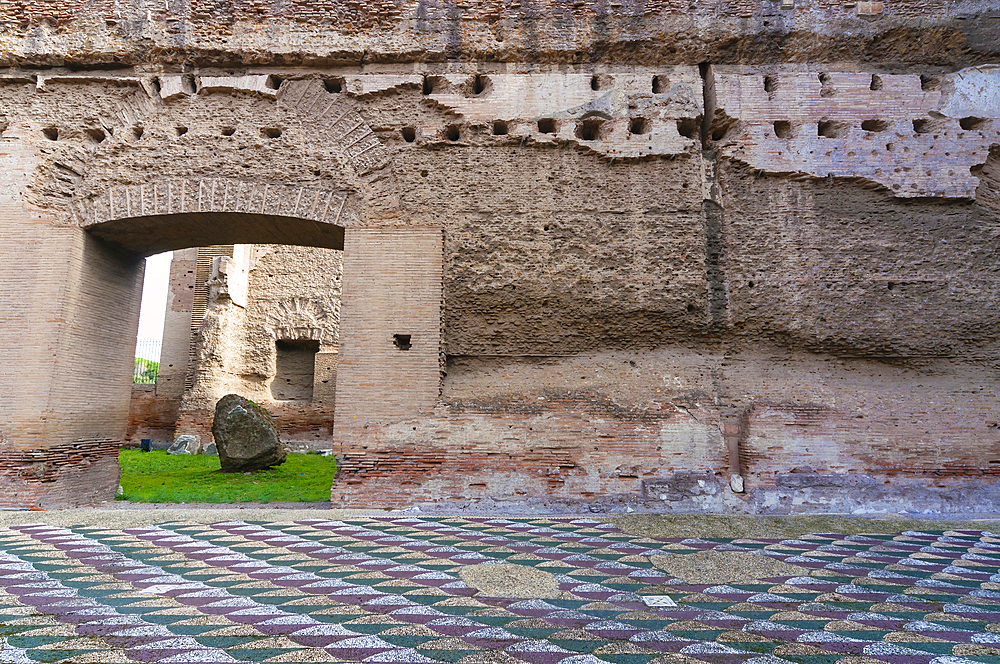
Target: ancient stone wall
[290, 298]
[591, 256]
[632, 32]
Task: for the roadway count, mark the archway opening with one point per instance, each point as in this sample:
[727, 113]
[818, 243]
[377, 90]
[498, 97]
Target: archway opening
[256, 313]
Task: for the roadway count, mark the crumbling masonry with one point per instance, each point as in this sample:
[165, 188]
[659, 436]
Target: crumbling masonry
[625, 255]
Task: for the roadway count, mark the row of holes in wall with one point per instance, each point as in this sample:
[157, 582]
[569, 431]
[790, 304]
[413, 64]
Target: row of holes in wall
[189, 85]
[586, 130]
[100, 135]
[479, 84]
[839, 129]
[927, 84]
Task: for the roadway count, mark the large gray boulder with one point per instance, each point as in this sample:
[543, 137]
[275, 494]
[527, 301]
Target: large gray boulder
[245, 435]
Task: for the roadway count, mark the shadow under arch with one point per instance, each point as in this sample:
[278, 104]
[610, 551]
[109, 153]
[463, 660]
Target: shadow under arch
[177, 214]
[156, 234]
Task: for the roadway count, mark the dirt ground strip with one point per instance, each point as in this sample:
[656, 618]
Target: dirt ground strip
[263, 585]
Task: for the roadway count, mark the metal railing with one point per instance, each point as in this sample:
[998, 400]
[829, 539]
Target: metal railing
[147, 361]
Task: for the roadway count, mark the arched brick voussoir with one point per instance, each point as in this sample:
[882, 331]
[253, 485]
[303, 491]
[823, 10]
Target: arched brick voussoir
[177, 213]
[332, 119]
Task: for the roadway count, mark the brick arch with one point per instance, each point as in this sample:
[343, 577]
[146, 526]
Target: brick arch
[301, 319]
[335, 121]
[328, 117]
[83, 336]
[186, 212]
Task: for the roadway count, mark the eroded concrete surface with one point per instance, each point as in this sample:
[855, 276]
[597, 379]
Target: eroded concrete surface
[733, 256]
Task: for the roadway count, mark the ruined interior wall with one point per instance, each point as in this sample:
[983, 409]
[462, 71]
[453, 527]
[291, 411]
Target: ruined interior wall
[176, 349]
[603, 319]
[292, 294]
[35, 260]
[330, 32]
[154, 409]
[599, 327]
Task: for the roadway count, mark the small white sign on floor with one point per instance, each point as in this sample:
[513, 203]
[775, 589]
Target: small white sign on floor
[658, 600]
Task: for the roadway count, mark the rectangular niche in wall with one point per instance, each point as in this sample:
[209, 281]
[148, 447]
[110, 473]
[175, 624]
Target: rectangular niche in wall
[294, 370]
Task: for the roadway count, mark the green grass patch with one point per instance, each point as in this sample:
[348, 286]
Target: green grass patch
[158, 477]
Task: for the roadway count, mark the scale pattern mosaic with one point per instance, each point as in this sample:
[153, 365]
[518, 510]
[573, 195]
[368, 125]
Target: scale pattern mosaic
[390, 590]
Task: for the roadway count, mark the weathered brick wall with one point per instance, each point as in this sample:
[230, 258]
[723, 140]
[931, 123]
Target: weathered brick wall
[151, 415]
[900, 131]
[70, 309]
[390, 335]
[323, 32]
[175, 351]
[592, 281]
[84, 472]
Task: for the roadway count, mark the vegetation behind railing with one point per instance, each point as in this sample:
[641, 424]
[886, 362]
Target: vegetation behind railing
[146, 370]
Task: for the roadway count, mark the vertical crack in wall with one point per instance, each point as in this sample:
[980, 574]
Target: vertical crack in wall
[713, 210]
[714, 221]
[708, 94]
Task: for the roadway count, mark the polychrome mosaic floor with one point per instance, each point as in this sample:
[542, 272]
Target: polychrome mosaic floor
[391, 590]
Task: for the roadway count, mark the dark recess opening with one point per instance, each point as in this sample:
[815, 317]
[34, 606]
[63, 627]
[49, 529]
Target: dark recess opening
[826, 89]
[547, 126]
[782, 128]
[831, 129]
[929, 83]
[453, 133]
[272, 82]
[876, 82]
[401, 341]
[295, 367]
[688, 127]
[97, 135]
[874, 125]
[595, 83]
[768, 84]
[271, 132]
[181, 130]
[428, 86]
[641, 126]
[409, 134]
[334, 85]
[478, 85]
[972, 124]
[499, 128]
[588, 130]
[51, 133]
[228, 131]
[659, 84]
[137, 132]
